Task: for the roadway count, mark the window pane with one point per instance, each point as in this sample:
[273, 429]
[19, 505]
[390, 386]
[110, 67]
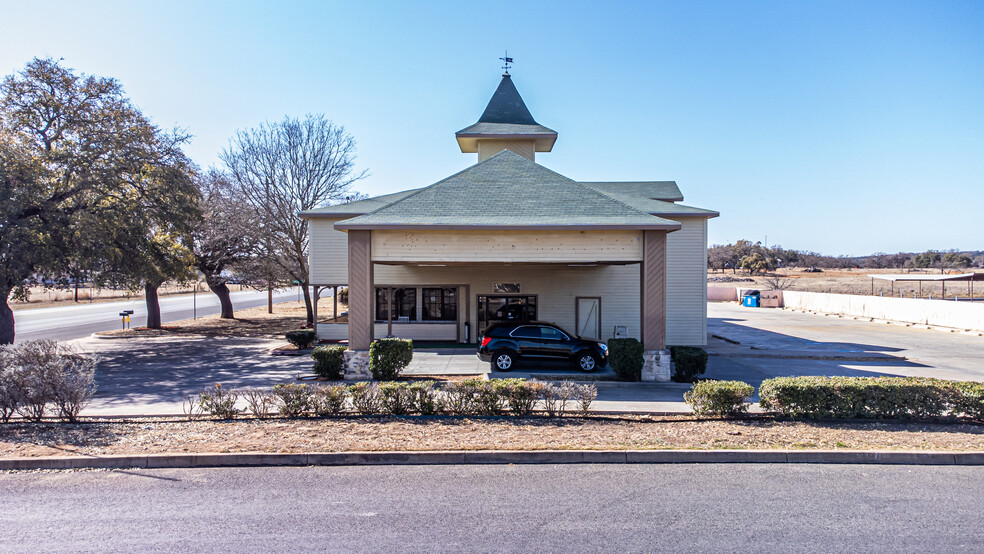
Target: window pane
[527, 333]
[551, 333]
[382, 307]
[440, 304]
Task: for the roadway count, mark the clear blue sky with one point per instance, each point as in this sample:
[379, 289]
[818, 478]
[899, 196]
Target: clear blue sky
[840, 127]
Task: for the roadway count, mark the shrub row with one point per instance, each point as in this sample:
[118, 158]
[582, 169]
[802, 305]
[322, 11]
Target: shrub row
[871, 397]
[42, 377]
[517, 397]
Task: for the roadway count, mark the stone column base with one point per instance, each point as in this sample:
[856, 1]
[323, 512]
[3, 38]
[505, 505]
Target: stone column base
[656, 365]
[356, 365]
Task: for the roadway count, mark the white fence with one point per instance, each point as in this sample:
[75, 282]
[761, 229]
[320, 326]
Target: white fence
[944, 313]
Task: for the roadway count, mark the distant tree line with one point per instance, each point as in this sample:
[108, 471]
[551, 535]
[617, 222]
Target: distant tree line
[91, 190]
[756, 258]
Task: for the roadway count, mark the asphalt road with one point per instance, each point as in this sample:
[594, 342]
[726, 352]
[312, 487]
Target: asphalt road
[704, 508]
[81, 320]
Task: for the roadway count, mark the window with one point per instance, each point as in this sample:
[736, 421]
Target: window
[526, 332]
[550, 333]
[440, 304]
[404, 304]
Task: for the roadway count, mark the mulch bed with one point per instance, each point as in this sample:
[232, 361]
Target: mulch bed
[175, 435]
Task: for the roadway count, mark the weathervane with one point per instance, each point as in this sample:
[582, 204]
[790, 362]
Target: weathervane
[506, 61]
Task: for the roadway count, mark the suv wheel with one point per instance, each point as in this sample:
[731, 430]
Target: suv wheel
[503, 360]
[586, 362]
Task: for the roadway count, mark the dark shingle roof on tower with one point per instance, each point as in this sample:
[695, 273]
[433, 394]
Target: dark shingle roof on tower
[507, 106]
[507, 191]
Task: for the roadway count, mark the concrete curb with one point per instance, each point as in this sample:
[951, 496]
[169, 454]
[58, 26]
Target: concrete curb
[494, 457]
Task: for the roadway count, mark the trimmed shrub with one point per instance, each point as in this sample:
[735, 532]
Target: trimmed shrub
[294, 399]
[459, 396]
[625, 357]
[329, 400]
[868, 397]
[302, 338]
[690, 361]
[366, 398]
[492, 396]
[219, 402]
[397, 398]
[522, 396]
[556, 397]
[259, 402]
[329, 361]
[8, 393]
[388, 357]
[969, 399]
[425, 398]
[724, 398]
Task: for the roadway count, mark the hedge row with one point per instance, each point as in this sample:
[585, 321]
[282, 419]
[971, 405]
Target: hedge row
[516, 397]
[872, 397]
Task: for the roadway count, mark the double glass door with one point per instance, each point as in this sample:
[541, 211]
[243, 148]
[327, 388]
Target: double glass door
[495, 308]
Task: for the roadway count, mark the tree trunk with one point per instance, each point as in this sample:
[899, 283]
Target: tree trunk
[221, 289]
[307, 303]
[153, 306]
[6, 321]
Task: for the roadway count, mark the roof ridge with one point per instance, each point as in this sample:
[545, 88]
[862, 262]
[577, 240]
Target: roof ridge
[612, 198]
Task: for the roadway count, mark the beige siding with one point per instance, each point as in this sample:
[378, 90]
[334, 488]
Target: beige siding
[686, 283]
[328, 253]
[506, 246]
[490, 147]
[556, 288]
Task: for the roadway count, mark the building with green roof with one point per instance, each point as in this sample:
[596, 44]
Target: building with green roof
[507, 238]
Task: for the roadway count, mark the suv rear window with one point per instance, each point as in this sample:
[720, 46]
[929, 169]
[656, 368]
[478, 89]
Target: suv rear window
[552, 334]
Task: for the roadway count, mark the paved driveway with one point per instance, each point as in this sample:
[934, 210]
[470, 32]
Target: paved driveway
[775, 342]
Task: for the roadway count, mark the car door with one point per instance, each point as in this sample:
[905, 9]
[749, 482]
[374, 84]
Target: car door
[527, 339]
[554, 343]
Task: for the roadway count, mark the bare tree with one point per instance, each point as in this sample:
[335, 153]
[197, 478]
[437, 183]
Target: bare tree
[288, 167]
[778, 282]
[225, 236]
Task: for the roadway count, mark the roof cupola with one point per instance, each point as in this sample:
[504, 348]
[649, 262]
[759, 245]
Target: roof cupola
[506, 124]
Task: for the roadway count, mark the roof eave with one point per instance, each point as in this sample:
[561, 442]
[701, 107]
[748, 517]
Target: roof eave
[468, 142]
[342, 226]
[705, 215]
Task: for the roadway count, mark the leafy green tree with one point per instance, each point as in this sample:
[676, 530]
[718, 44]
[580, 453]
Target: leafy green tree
[956, 259]
[81, 169]
[755, 262]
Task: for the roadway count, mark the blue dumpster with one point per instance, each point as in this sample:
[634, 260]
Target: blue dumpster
[750, 299]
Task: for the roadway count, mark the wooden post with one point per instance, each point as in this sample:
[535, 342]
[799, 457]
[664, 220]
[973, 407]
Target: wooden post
[653, 274]
[334, 297]
[360, 296]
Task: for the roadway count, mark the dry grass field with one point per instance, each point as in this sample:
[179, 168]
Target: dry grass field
[851, 281]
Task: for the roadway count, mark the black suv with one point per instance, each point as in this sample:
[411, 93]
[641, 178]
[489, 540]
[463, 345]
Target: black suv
[502, 344]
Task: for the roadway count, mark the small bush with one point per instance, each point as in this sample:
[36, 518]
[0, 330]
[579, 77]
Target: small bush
[397, 398]
[719, 397]
[869, 397]
[690, 361]
[522, 396]
[459, 396]
[625, 357]
[294, 399]
[191, 406]
[586, 395]
[366, 398]
[259, 402]
[38, 374]
[969, 399]
[302, 338]
[329, 400]
[219, 402]
[388, 357]
[491, 397]
[425, 398]
[329, 362]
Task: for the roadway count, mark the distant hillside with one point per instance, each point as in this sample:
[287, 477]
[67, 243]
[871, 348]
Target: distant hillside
[745, 254]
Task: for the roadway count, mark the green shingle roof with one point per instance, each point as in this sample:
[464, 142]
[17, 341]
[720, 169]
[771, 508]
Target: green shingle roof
[358, 207]
[507, 191]
[507, 106]
[651, 198]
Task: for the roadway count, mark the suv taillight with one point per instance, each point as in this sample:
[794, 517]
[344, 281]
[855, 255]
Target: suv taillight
[486, 341]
